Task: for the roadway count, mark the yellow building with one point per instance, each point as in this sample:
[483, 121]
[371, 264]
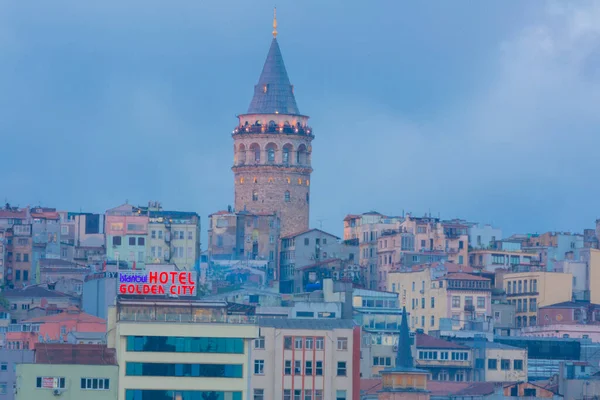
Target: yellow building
[594, 274]
[528, 291]
[427, 291]
[180, 348]
[505, 363]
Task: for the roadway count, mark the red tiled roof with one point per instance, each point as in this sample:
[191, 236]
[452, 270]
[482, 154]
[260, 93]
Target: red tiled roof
[69, 316]
[439, 388]
[33, 291]
[430, 342]
[81, 354]
[370, 386]
[477, 389]
[13, 214]
[464, 276]
[351, 216]
[222, 212]
[46, 215]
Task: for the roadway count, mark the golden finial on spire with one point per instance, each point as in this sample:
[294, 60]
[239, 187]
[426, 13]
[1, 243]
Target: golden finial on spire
[275, 22]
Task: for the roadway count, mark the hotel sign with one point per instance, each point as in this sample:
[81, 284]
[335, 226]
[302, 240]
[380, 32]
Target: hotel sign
[157, 283]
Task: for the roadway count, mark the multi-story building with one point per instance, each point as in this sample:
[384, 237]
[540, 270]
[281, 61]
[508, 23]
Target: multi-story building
[497, 362]
[126, 235]
[481, 236]
[4, 323]
[365, 230]
[18, 245]
[243, 236]
[530, 290]
[45, 233]
[2, 254]
[272, 150]
[571, 319]
[491, 260]
[308, 248]
[9, 359]
[445, 360]
[379, 316]
[173, 236]
[83, 371]
[306, 358]
[37, 300]
[432, 295]
[179, 349]
[82, 237]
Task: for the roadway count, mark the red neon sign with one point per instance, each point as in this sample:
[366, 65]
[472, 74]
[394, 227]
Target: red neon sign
[180, 283]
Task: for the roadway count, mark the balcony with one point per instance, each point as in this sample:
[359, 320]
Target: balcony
[253, 163]
[469, 308]
[273, 129]
[443, 363]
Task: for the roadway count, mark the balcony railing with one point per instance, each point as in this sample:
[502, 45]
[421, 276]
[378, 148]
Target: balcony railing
[271, 164]
[289, 130]
[186, 318]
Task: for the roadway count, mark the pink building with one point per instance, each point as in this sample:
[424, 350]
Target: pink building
[52, 328]
[571, 319]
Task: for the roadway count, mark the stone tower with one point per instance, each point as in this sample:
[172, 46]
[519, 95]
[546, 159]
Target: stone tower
[272, 149]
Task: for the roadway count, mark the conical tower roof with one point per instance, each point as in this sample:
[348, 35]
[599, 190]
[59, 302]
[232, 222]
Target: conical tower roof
[404, 358]
[273, 94]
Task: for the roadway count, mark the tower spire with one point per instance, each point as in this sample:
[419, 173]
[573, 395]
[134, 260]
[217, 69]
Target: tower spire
[275, 22]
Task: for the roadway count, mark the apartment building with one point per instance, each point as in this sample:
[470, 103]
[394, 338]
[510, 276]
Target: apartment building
[36, 301]
[9, 359]
[491, 260]
[126, 235]
[528, 291]
[82, 237]
[446, 361]
[179, 349]
[481, 236]
[432, 294]
[243, 236]
[174, 237]
[306, 359]
[83, 371]
[504, 363]
[17, 245]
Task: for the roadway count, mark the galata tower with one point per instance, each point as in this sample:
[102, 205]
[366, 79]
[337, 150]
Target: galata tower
[272, 149]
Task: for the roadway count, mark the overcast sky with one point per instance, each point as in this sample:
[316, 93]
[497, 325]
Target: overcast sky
[488, 111]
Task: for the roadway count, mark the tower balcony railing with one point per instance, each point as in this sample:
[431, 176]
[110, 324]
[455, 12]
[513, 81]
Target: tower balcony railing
[288, 129]
[271, 164]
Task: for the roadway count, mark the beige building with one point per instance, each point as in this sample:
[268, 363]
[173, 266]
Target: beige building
[505, 363]
[431, 296]
[529, 290]
[69, 372]
[178, 349]
[491, 260]
[306, 359]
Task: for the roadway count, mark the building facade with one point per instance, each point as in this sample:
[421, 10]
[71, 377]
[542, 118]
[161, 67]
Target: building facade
[181, 349]
[307, 359]
[126, 235]
[272, 150]
[9, 359]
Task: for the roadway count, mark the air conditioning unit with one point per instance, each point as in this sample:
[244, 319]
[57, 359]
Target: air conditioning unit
[57, 392]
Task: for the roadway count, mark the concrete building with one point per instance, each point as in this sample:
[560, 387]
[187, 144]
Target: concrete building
[432, 296]
[481, 236]
[173, 237]
[530, 290]
[9, 359]
[25, 302]
[272, 150]
[503, 363]
[4, 323]
[126, 235]
[45, 233]
[245, 237]
[491, 260]
[445, 360]
[180, 349]
[68, 371]
[17, 247]
[82, 237]
[567, 320]
[379, 316]
[100, 289]
[306, 358]
[307, 248]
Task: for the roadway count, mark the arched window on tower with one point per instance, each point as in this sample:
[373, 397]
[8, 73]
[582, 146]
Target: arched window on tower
[271, 148]
[241, 154]
[287, 196]
[287, 149]
[255, 195]
[255, 149]
[301, 155]
[307, 197]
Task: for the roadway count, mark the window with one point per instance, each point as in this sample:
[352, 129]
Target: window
[459, 376]
[308, 343]
[504, 364]
[18, 275]
[433, 302]
[340, 395]
[318, 394]
[141, 241]
[297, 367]
[48, 382]
[443, 355]
[153, 235]
[259, 367]
[287, 394]
[455, 301]
[3, 366]
[341, 368]
[530, 392]
[259, 343]
[25, 257]
[319, 368]
[297, 394]
[18, 257]
[298, 343]
[492, 364]
[254, 195]
[306, 241]
[95, 383]
[518, 365]
[259, 394]
[342, 343]
[25, 275]
[319, 343]
[116, 240]
[480, 302]
[160, 234]
[190, 235]
[3, 388]
[432, 320]
[307, 394]
[287, 367]
[287, 342]
[132, 241]
[308, 368]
